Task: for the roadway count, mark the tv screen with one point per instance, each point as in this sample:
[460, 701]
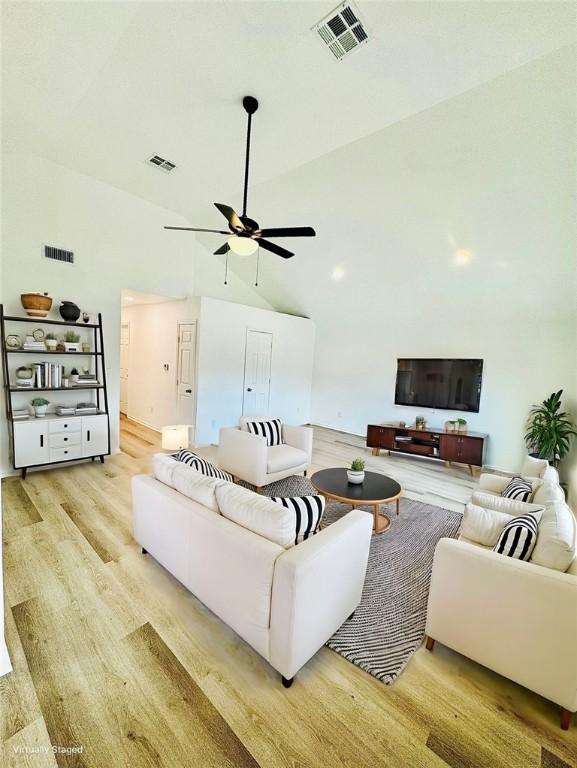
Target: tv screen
[454, 385]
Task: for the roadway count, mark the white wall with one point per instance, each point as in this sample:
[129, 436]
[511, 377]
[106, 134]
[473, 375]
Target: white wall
[221, 350]
[152, 398]
[118, 240]
[492, 171]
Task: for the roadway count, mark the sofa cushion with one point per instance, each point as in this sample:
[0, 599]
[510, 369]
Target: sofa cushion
[163, 465]
[281, 457]
[518, 488]
[483, 526]
[307, 512]
[548, 493]
[202, 465]
[555, 547]
[490, 500]
[198, 487]
[269, 428]
[257, 513]
[518, 537]
[533, 467]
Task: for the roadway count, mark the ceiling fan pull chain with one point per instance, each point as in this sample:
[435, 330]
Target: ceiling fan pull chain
[257, 265]
[247, 160]
[226, 269]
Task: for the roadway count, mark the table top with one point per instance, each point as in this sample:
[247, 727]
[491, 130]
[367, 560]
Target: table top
[375, 488]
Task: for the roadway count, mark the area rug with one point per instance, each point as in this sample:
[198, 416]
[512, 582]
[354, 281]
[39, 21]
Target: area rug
[389, 624]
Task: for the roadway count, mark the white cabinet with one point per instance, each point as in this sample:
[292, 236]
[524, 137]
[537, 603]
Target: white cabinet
[59, 439]
[31, 443]
[94, 435]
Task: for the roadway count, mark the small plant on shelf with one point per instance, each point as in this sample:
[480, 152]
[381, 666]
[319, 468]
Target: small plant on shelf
[51, 342]
[72, 341]
[462, 425]
[356, 473]
[40, 404]
[74, 376]
[451, 425]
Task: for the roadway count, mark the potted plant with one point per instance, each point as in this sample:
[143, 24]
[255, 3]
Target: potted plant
[71, 341]
[356, 473]
[74, 376]
[461, 425]
[40, 404]
[51, 342]
[451, 426]
[549, 430]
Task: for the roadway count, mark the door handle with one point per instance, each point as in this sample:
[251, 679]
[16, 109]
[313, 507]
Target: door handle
[188, 391]
[249, 389]
[88, 435]
[42, 441]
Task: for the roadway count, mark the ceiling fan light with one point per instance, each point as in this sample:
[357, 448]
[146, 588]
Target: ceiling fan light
[242, 246]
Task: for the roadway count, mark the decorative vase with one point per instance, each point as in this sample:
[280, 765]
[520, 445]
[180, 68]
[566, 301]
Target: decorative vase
[74, 378]
[40, 411]
[355, 477]
[69, 311]
[85, 317]
[36, 304]
[24, 372]
[462, 427]
[450, 426]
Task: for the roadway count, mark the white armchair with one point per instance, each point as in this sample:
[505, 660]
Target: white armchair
[249, 458]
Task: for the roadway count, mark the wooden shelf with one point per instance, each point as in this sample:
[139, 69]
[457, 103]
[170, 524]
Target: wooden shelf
[55, 389]
[46, 352]
[41, 320]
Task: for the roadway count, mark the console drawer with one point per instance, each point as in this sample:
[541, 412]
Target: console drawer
[65, 454]
[64, 425]
[64, 439]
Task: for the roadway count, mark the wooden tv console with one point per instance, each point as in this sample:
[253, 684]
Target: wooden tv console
[459, 447]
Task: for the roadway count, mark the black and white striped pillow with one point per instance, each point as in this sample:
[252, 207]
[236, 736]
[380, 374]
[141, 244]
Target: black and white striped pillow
[518, 488]
[519, 536]
[272, 430]
[308, 511]
[201, 465]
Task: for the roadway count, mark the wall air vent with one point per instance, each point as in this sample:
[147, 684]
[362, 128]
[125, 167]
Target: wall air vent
[160, 162]
[57, 254]
[341, 31]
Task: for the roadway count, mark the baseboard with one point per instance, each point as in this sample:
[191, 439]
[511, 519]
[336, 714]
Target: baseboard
[144, 424]
[5, 664]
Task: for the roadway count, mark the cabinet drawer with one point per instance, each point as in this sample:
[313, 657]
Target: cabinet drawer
[64, 425]
[64, 454]
[64, 439]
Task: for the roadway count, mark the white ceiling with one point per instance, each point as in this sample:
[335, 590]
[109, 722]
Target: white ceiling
[129, 298]
[99, 86]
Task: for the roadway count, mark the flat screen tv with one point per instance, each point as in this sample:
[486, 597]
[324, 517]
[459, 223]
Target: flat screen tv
[453, 385]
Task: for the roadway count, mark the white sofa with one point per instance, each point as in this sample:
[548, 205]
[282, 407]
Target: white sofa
[516, 618]
[247, 456]
[284, 602]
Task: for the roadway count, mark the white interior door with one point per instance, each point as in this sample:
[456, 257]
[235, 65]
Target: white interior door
[186, 373]
[124, 358]
[257, 366]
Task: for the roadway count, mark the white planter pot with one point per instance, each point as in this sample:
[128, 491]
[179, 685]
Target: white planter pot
[74, 378]
[51, 345]
[355, 477]
[40, 411]
[72, 346]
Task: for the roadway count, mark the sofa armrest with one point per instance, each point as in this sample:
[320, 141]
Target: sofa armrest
[316, 587]
[515, 618]
[243, 454]
[494, 483]
[299, 437]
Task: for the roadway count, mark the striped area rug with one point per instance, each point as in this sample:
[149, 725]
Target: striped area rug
[389, 624]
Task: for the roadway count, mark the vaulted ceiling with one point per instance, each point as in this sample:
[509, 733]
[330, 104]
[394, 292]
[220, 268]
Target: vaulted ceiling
[100, 86]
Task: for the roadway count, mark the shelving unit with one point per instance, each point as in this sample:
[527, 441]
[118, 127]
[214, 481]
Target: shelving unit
[56, 439]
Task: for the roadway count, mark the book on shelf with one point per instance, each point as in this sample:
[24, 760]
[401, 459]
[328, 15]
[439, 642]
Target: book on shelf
[20, 414]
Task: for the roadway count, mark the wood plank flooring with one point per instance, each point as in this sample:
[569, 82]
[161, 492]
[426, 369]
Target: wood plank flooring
[113, 655]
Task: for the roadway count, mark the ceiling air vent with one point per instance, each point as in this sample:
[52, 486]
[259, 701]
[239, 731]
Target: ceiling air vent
[58, 254]
[341, 31]
[160, 162]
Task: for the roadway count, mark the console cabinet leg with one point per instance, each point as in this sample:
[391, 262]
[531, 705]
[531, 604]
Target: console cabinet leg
[24, 473]
[430, 643]
[144, 551]
[287, 682]
[102, 459]
[565, 719]
[376, 452]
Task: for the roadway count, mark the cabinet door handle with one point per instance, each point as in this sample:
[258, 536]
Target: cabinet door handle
[88, 435]
[65, 439]
[42, 441]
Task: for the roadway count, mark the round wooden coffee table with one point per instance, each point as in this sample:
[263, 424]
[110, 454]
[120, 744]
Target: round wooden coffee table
[375, 490]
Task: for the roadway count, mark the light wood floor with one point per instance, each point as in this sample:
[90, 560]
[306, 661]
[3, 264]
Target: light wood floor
[110, 653]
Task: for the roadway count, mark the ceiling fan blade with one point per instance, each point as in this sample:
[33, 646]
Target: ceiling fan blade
[273, 248]
[196, 229]
[223, 249]
[288, 232]
[230, 215]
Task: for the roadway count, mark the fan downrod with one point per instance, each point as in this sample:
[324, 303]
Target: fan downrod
[250, 104]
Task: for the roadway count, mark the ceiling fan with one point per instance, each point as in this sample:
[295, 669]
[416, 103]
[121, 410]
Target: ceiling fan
[245, 234]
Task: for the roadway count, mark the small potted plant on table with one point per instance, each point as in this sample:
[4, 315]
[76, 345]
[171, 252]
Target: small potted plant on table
[40, 404]
[356, 473]
[461, 425]
[51, 342]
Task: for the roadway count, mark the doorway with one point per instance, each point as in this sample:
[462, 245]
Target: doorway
[186, 374]
[124, 365]
[257, 369]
